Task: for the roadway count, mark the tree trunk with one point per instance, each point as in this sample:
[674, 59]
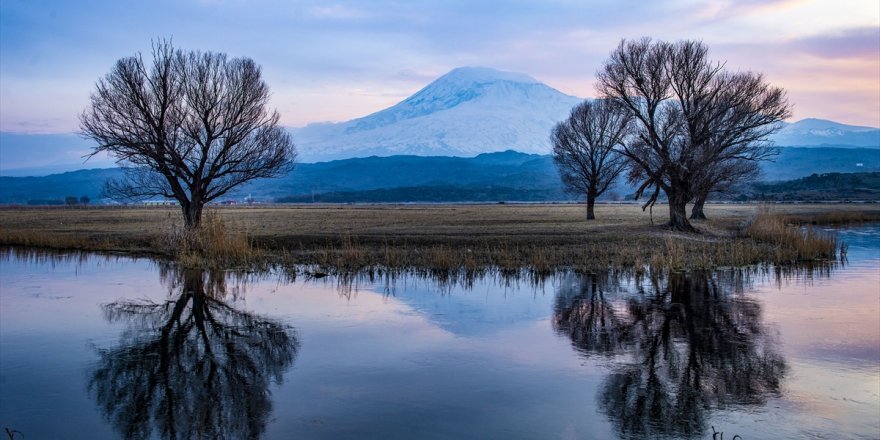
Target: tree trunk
[192, 214]
[591, 202]
[697, 211]
[678, 220]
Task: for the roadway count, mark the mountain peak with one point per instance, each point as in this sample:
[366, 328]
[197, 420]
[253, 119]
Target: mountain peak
[467, 111]
[461, 85]
[812, 131]
[824, 124]
[471, 75]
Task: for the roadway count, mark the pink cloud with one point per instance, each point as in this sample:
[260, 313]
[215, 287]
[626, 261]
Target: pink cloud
[831, 76]
[725, 9]
[862, 42]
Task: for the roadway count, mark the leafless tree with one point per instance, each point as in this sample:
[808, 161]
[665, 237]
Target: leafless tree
[189, 126]
[584, 149]
[720, 179]
[690, 115]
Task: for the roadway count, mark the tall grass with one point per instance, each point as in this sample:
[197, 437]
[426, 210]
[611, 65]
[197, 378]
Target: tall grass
[212, 244]
[41, 239]
[792, 242]
[541, 240]
[676, 252]
[835, 217]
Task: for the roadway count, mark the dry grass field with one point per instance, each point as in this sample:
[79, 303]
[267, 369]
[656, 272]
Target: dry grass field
[539, 237]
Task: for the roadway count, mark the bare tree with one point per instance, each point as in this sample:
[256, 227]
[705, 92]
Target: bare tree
[690, 115]
[720, 179]
[189, 126]
[584, 149]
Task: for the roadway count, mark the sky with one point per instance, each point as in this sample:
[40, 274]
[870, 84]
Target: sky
[338, 60]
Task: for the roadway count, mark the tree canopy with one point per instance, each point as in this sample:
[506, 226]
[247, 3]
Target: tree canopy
[691, 116]
[584, 149]
[188, 126]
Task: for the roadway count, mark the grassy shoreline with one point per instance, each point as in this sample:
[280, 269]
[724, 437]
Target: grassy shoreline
[341, 238]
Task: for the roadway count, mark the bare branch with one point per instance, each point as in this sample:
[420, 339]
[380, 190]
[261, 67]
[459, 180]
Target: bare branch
[584, 148]
[190, 126]
[696, 125]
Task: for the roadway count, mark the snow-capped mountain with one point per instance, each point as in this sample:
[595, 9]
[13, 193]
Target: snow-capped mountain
[814, 132]
[468, 111]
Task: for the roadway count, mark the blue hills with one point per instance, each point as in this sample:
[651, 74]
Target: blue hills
[489, 177]
[473, 134]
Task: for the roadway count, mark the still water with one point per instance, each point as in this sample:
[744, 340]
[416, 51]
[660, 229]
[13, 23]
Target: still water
[99, 347]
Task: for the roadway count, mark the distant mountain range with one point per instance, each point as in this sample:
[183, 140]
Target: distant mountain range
[490, 177]
[464, 113]
[818, 132]
[473, 110]
[817, 187]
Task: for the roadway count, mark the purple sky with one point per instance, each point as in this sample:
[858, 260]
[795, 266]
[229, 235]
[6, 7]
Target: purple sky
[327, 61]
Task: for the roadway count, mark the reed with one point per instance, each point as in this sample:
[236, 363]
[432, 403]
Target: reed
[537, 238]
[792, 242]
[678, 252]
[834, 217]
[36, 239]
[213, 244]
[40, 239]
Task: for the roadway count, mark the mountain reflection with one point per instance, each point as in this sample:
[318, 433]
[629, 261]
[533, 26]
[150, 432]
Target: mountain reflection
[682, 344]
[193, 366]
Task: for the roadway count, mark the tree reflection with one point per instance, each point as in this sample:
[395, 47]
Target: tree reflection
[193, 366]
[686, 344]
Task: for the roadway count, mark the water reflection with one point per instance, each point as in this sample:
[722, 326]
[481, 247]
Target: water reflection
[676, 350]
[683, 344]
[193, 366]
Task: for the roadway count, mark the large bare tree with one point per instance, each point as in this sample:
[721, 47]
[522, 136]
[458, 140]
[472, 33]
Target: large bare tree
[188, 126]
[720, 179]
[690, 115]
[584, 149]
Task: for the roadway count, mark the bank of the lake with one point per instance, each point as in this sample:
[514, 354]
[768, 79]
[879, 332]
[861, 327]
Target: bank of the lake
[539, 237]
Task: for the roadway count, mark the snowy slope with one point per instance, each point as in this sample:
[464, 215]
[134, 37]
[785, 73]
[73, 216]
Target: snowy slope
[815, 132]
[468, 111]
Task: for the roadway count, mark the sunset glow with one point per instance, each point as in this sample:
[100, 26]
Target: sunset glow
[334, 62]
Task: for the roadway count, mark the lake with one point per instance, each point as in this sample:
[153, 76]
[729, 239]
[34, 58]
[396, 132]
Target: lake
[100, 347]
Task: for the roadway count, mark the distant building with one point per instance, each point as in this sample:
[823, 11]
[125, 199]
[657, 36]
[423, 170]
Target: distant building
[160, 203]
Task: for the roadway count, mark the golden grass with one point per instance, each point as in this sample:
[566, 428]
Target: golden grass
[213, 244]
[38, 239]
[792, 242]
[445, 238]
[832, 217]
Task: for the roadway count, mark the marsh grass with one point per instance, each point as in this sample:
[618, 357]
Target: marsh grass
[792, 242]
[28, 238]
[541, 239]
[834, 217]
[659, 252]
[39, 239]
[213, 244]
